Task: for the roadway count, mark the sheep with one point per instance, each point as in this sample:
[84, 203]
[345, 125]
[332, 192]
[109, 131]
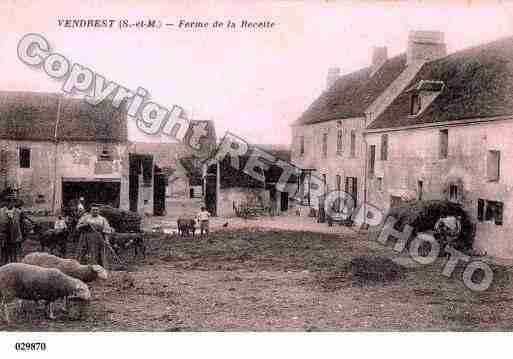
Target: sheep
[86, 273]
[185, 225]
[28, 282]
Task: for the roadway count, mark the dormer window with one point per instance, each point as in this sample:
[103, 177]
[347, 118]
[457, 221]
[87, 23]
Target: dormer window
[422, 94]
[416, 104]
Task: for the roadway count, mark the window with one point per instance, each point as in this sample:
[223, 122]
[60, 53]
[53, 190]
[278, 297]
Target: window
[420, 189]
[415, 104]
[301, 145]
[444, 143]
[384, 147]
[380, 183]
[338, 182]
[453, 193]
[340, 141]
[372, 160]
[324, 145]
[493, 164]
[105, 154]
[24, 157]
[353, 144]
[490, 211]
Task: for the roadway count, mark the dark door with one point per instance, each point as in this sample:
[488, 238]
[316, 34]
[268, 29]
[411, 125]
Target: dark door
[133, 182]
[211, 190]
[354, 192]
[284, 201]
[159, 192]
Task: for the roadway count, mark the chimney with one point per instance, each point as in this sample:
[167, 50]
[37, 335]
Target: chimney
[333, 74]
[379, 57]
[425, 46]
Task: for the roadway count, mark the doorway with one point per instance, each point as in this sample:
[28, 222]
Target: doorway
[101, 192]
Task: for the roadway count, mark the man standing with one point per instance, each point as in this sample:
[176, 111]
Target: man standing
[11, 235]
[94, 230]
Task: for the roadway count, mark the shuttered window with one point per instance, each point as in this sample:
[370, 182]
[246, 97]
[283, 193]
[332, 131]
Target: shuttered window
[480, 209]
[301, 145]
[444, 143]
[372, 160]
[384, 147]
[340, 141]
[493, 164]
[492, 211]
[325, 145]
[353, 143]
[24, 154]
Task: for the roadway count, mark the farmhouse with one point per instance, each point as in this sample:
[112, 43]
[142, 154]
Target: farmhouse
[422, 125]
[56, 149]
[448, 136]
[327, 139]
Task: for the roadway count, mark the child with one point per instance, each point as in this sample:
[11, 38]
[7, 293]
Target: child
[203, 219]
[60, 224]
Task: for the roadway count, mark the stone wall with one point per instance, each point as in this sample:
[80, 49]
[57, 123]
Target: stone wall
[41, 184]
[413, 156]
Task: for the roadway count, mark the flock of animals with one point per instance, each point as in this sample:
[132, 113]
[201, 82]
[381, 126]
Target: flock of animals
[45, 277]
[42, 276]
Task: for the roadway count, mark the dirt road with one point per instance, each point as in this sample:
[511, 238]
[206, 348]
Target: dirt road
[257, 279]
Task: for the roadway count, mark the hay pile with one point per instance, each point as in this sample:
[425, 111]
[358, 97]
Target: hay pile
[423, 215]
[122, 221]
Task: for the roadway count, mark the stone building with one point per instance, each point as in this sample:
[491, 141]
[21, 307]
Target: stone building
[448, 136]
[434, 126]
[55, 149]
[327, 139]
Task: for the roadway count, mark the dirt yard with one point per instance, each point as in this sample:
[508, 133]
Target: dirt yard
[275, 280]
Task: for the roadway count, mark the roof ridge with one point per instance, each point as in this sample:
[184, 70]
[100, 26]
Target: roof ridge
[353, 92]
[477, 80]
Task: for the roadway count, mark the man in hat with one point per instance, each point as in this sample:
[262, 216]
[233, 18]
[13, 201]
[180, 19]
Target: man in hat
[94, 230]
[11, 234]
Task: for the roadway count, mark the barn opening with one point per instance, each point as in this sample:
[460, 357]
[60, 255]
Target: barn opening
[105, 191]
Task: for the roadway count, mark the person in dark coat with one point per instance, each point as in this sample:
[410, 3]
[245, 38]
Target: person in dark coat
[11, 231]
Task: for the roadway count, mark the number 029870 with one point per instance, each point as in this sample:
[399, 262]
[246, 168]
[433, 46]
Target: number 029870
[30, 346]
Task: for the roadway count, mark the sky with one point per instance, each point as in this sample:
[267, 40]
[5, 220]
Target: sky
[253, 83]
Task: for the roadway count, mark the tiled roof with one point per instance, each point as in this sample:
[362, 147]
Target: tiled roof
[478, 83]
[33, 116]
[352, 94]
